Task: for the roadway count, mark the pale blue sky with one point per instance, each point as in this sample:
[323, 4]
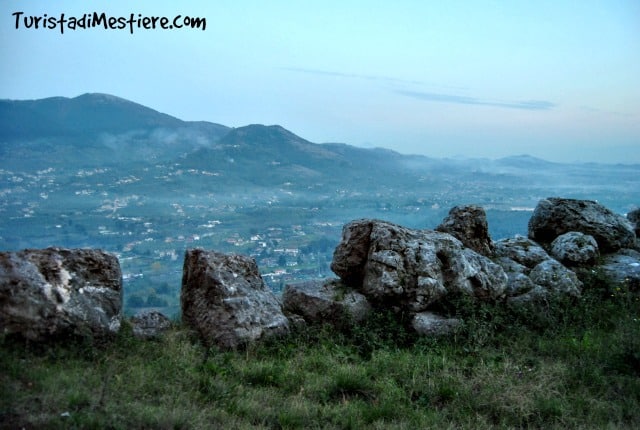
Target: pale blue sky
[555, 79]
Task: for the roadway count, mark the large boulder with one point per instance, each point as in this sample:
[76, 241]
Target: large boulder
[224, 298]
[469, 225]
[532, 274]
[412, 269]
[575, 249]
[57, 292]
[555, 216]
[320, 302]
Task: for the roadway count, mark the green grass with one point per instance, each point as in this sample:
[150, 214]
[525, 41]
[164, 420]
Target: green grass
[573, 364]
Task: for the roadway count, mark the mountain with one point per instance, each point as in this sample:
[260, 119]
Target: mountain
[85, 115]
[272, 155]
[100, 130]
[94, 129]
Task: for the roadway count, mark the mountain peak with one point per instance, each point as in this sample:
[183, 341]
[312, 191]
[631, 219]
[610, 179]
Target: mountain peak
[87, 114]
[255, 134]
[524, 160]
[102, 97]
[274, 130]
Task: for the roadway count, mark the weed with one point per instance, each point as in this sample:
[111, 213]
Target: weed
[349, 382]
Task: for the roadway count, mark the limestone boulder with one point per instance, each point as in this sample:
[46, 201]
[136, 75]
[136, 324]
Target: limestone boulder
[623, 268]
[57, 292]
[150, 324]
[555, 216]
[575, 249]
[556, 279]
[469, 225]
[325, 302]
[521, 250]
[350, 256]
[532, 273]
[431, 324]
[225, 300]
[535, 296]
[411, 269]
[518, 281]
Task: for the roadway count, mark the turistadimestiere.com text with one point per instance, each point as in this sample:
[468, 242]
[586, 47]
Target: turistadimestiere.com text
[133, 22]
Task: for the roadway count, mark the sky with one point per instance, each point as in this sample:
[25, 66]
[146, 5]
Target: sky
[554, 79]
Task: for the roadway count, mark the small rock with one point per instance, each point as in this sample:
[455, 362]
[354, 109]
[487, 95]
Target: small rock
[328, 301]
[555, 278]
[469, 225]
[519, 284]
[430, 324]
[575, 249]
[521, 250]
[150, 324]
[623, 268]
[536, 296]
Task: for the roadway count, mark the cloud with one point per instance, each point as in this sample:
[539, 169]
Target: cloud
[433, 97]
[366, 77]
[450, 98]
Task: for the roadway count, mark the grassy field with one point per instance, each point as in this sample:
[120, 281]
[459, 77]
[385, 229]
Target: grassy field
[575, 364]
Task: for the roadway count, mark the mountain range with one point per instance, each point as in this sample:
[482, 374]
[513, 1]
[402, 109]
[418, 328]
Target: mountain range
[104, 130]
[98, 130]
